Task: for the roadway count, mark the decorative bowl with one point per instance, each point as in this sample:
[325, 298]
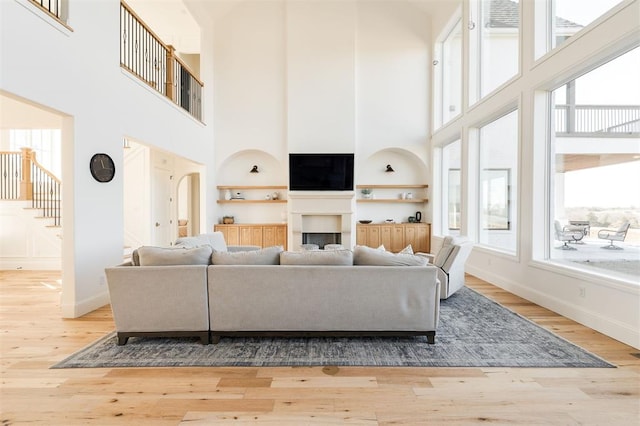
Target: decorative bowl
[364, 222]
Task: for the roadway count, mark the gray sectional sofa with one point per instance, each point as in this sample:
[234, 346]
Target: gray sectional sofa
[273, 292]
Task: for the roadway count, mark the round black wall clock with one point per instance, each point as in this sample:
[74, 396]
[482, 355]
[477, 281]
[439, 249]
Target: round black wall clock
[102, 167]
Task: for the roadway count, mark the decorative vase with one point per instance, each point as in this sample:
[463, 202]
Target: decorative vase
[227, 194]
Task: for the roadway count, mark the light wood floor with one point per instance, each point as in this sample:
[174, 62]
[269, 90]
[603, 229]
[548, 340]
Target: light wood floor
[33, 337]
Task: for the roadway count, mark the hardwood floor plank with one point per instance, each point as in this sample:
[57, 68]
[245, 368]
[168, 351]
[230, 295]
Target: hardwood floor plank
[33, 337]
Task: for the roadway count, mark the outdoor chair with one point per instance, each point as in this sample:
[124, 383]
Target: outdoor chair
[567, 236]
[614, 235]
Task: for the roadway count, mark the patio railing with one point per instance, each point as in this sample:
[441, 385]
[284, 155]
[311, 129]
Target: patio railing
[597, 119]
[143, 54]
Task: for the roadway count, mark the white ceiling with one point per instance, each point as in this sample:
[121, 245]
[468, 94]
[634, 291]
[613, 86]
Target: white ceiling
[177, 22]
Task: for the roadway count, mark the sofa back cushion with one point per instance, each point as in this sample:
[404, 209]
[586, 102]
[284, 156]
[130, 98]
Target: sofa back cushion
[166, 256]
[317, 257]
[265, 256]
[213, 239]
[363, 255]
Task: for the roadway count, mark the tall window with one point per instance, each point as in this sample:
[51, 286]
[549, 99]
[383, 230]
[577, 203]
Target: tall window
[451, 188]
[498, 173]
[567, 17]
[452, 73]
[45, 144]
[495, 33]
[596, 164]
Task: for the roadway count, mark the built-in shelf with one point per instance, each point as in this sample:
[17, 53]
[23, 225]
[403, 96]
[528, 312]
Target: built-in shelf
[225, 187]
[391, 186]
[250, 201]
[392, 200]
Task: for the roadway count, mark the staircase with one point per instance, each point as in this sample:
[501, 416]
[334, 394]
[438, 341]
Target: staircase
[30, 206]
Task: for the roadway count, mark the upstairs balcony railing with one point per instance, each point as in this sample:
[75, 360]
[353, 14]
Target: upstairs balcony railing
[147, 57]
[597, 120]
[23, 178]
[53, 7]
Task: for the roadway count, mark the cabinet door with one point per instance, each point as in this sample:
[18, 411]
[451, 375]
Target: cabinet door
[423, 237]
[361, 235]
[268, 236]
[256, 236]
[386, 232]
[246, 235]
[397, 238]
[230, 233]
[373, 236]
[281, 236]
[411, 237]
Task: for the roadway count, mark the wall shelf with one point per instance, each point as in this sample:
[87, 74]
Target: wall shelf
[225, 187]
[392, 200]
[390, 186]
[250, 201]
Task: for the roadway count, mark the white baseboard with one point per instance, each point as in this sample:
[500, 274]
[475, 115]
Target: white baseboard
[85, 306]
[610, 327]
[31, 263]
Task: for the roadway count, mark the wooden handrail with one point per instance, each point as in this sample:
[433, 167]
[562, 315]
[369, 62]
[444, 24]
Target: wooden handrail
[145, 55]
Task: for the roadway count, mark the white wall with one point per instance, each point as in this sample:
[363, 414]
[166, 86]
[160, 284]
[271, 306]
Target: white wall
[77, 73]
[609, 306]
[322, 76]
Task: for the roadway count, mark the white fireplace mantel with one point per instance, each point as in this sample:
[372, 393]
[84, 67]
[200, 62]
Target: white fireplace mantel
[321, 211]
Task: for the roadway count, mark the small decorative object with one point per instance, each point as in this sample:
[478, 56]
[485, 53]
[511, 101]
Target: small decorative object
[409, 196]
[254, 169]
[389, 169]
[237, 196]
[402, 195]
[412, 219]
[227, 220]
[227, 195]
[389, 221]
[275, 195]
[102, 167]
[366, 193]
[267, 197]
[418, 216]
[364, 222]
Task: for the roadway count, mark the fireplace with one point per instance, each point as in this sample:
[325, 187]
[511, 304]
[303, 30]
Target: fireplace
[321, 239]
[321, 217]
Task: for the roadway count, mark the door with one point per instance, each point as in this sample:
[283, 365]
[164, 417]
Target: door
[161, 212]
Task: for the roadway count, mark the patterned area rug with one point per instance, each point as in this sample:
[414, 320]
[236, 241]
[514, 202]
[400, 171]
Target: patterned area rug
[473, 332]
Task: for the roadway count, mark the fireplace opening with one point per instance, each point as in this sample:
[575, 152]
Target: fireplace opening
[321, 238]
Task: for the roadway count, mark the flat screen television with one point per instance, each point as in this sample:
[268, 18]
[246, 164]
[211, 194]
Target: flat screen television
[320, 172]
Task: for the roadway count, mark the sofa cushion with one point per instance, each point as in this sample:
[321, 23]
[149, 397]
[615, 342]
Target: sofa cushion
[265, 256]
[165, 256]
[444, 252]
[317, 257]
[213, 239]
[363, 255]
[407, 250]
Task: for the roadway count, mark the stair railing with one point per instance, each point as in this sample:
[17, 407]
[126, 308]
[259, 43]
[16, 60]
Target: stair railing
[46, 191]
[23, 178]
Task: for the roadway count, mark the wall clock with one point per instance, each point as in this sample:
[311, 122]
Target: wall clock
[102, 167]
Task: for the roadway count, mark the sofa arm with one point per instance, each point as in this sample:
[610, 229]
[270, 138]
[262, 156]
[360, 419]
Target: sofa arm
[243, 248]
[159, 298]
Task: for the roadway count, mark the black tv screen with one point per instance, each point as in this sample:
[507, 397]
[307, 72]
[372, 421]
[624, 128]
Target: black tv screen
[321, 172]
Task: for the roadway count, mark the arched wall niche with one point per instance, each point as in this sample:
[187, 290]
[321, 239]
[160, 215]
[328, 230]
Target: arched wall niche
[408, 168]
[236, 169]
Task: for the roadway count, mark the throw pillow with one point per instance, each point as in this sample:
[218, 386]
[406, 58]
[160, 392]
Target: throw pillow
[166, 256]
[363, 255]
[317, 257]
[407, 250]
[265, 256]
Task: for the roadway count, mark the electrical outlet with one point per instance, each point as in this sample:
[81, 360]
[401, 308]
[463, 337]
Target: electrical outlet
[583, 292]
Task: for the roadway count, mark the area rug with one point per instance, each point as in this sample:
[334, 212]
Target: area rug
[473, 332]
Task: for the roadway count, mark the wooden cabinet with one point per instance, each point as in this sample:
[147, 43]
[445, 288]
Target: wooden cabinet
[395, 236]
[259, 234]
